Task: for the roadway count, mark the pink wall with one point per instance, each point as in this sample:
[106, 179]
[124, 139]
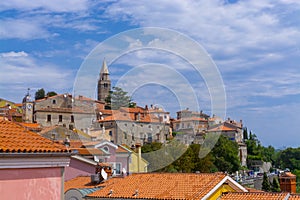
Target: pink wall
[34, 183]
[116, 158]
[78, 168]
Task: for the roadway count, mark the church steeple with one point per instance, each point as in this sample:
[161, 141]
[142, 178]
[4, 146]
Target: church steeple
[104, 83]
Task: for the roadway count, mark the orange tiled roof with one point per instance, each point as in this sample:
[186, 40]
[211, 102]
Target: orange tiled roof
[18, 104]
[121, 115]
[254, 196]
[15, 138]
[106, 112]
[222, 128]
[122, 149]
[85, 182]
[287, 174]
[89, 151]
[33, 126]
[161, 186]
[294, 197]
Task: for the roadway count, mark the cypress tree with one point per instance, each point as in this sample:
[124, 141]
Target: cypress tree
[275, 185]
[266, 186]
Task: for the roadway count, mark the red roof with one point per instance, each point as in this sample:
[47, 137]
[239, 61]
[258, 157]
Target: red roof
[161, 186]
[15, 138]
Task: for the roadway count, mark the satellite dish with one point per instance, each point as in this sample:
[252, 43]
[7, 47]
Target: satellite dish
[100, 113]
[103, 174]
[124, 171]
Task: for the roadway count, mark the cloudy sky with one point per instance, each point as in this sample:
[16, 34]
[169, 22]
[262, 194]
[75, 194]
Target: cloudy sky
[254, 44]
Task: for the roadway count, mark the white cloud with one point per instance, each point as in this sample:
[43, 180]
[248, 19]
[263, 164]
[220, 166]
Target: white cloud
[19, 70]
[53, 5]
[13, 54]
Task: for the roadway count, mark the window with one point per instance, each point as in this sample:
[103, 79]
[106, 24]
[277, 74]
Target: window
[125, 135]
[106, 149]
[132, 137]
[118, 168]
[72, 118]
[48, 118]
[60, 118]
[149, 137]
[71, 127]
[53, 101]
[110, 133]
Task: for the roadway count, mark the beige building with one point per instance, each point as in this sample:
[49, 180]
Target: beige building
[66, 111]
[132, 125]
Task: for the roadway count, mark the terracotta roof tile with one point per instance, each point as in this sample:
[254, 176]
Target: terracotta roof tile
[294, 197]
[88, 151]
[85, 182]
[287, 174]
[15, 138]
[222, 128]
[121, 115]
[122, 149]
[161, 186]
[254, 196]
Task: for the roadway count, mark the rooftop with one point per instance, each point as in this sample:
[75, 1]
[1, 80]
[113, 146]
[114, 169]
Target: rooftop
[15, 138]
[161, 186]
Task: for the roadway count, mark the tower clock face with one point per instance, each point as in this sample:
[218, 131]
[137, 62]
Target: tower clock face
[29, 106]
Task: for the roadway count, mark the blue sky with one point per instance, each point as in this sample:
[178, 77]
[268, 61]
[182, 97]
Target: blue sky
[254, 44]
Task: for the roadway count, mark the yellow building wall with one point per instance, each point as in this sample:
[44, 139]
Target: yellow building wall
[135, 166]
[224, 188]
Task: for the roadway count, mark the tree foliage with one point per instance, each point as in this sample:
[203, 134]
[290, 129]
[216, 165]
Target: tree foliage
[226, 155]
[51, 94]
[40, 94]
[223, 157]
[266, 186]
[118, 98]
[289, 158]
[275, 185]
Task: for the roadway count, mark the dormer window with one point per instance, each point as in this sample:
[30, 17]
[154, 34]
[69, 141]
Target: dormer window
[106, 149]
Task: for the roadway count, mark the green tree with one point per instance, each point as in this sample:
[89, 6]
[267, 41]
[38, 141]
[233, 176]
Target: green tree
[118, 98]
[40, 94]
[226, 157]
[266, 186]
[245, 133]
[149, 147]
[289, 158]
[275, 185]
[51, 94]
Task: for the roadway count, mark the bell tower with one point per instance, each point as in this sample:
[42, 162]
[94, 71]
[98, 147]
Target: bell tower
[104, 83]
[27, 108]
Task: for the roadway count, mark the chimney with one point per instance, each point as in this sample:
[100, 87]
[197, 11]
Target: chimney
[146, 107]
[139, 151]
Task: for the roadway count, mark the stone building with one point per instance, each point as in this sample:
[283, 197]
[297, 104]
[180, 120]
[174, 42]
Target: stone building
[104, 83]
[66, 111]
[132, 125]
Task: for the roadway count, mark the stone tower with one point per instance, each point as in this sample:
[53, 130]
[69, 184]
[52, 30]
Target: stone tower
[27, 109]
[104, 83]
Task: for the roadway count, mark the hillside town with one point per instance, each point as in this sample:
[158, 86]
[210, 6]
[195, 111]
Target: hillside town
[62, 146]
